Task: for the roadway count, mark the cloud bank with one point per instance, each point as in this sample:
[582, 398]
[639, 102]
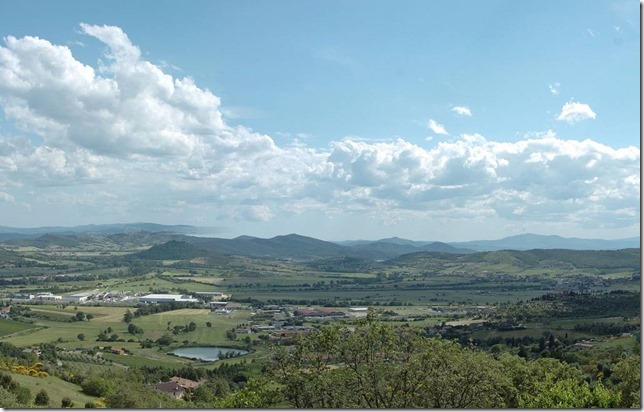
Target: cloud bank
[127, 136]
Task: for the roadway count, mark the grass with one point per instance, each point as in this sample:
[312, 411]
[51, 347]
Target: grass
[129, 360]
[56, 388]
[156, 325]
[53, 330]
[9, 327]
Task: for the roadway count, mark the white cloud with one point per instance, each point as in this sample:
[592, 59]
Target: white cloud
[6, 197]
[436, 127]
[592, 34]
[462, 111]
[131, 141]
[554, 88]
[573, 112]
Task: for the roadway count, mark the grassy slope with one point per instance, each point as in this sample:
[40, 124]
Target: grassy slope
[56, 388]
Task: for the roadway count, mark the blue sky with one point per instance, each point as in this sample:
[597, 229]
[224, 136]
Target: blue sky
[445, 120]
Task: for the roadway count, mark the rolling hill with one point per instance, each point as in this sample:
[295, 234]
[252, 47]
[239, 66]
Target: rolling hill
[545, 258]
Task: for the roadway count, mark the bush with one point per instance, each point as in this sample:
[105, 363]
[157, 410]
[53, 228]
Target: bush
[66, 403]
[97, 386]
[42, 398]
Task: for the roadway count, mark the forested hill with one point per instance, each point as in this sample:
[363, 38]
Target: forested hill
[545, 258]
[175, 250]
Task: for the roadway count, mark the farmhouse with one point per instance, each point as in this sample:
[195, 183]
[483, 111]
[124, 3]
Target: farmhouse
[186, 383]
[177, 386]
[172, 389]
[163, 298]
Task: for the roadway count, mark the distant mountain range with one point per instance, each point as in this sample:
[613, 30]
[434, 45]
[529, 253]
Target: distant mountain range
[531, 241]
[291, 246]
[7, 233]
[519, 242]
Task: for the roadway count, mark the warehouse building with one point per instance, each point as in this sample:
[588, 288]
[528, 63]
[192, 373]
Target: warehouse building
[163, 298]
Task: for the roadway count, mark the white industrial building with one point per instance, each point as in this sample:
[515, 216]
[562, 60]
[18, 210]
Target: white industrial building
[163, 298]
[79, 297]
[47, 296]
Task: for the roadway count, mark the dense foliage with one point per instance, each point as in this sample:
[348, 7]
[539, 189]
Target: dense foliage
[381, 366]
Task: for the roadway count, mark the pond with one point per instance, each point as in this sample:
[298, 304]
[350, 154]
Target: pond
[207, 353]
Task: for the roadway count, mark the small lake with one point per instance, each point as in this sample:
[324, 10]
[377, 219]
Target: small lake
[207, 353]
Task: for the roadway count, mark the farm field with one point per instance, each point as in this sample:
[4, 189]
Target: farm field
[471, 302]
[10, 327]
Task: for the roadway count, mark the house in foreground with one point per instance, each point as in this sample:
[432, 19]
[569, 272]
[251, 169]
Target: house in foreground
[177, 386]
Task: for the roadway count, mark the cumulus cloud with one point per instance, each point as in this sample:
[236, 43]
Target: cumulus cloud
[435, 127]
[573, 112]
[129, 137]
[462, 111]
[129, 107]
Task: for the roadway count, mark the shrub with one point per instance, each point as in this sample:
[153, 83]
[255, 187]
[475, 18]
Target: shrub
[42, 398]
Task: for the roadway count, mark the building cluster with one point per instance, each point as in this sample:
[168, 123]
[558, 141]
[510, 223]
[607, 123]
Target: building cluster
[214, 299]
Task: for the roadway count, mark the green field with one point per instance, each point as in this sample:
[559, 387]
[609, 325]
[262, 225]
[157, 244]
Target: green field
[9, 327]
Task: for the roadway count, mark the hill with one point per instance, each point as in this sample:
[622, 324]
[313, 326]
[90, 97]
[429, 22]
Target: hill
[7, 233]
[284, 247]
[531, 241]
[174, 250]
[545, 258]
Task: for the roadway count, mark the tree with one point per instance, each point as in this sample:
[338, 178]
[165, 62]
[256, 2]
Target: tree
[208, 324]
[66, 402]
[8, 399]
[89, 317]
[258, 394]
[81, 336]
[568, 393]
[551, 342]
[127, 318]
[42, 398]
[381, 366]
[80, 316]
[627, 374]
[98, 386]
[165, 340]
[133, 329]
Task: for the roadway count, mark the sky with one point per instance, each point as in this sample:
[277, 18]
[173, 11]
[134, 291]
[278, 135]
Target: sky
[428, 120]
